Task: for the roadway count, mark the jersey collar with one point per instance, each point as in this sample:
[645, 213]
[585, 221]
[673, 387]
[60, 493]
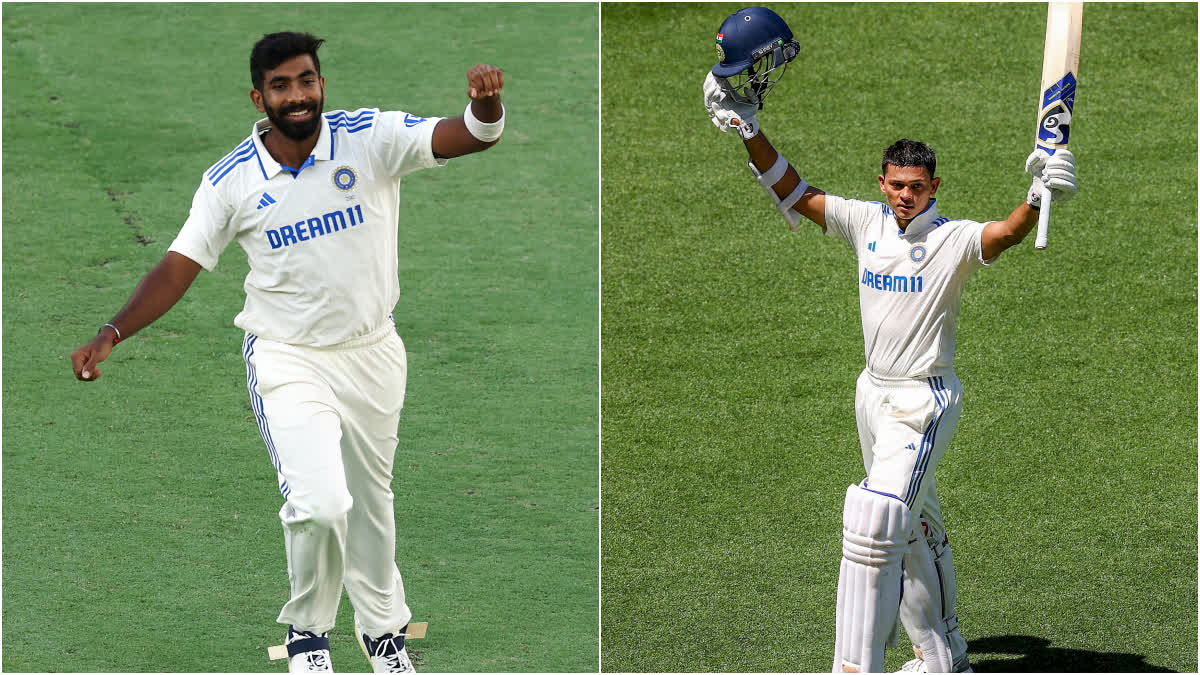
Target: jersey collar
[919, 224]
[322, 151]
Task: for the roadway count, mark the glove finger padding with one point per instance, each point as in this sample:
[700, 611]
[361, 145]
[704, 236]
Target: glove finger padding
[1062, 184]
[712, 90]
[1059, 175]
[1036, 162]
[723, 111]
[720, 117]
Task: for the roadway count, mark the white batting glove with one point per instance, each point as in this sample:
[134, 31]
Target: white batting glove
[1056, 172]
[727, 114]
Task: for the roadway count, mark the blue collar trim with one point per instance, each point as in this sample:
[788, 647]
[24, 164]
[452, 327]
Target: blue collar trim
[312, 159]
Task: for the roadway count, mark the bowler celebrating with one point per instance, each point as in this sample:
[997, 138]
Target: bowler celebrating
[912, 266]
[313, 198]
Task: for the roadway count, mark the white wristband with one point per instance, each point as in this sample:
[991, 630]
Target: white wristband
[484, 131]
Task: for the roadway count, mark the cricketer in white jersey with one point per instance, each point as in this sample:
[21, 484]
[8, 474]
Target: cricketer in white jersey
[313, 198]
[912, 267]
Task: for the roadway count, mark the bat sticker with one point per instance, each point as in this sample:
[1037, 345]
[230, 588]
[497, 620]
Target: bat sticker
[1054, 126]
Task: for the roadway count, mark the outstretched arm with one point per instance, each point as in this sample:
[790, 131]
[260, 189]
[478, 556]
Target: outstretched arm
[479, 127]
[763, 156]
[999, 235]
[158, 292]
[792, 196]
[1056, 172]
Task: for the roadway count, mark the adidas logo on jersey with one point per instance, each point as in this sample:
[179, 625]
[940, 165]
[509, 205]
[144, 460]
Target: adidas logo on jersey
[871, 247]
[266, 201]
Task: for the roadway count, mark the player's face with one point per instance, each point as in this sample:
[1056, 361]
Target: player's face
[293, 97]
[908, 189]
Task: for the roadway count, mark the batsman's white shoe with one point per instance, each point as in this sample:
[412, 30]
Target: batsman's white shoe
[918, 666]
[386, 653]
[308, 652]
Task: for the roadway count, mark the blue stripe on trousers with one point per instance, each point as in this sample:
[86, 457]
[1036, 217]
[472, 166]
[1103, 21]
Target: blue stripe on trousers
[256, 403]
[927, 443]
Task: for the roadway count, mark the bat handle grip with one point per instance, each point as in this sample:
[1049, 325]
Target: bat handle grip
[1043, 220]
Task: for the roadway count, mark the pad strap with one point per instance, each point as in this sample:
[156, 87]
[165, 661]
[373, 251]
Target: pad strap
[767, 179]
[772, 175]
[786, 204]
[311, 644]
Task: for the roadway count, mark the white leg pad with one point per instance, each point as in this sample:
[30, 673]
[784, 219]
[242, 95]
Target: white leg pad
[923, 606]
[927, 609]
[874, 539]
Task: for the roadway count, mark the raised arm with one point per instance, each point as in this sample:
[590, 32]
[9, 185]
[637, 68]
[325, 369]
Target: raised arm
[158, 292]
[1000, 235]
[480, 125]
[793, 196]
[1056, 172]
[763, 156]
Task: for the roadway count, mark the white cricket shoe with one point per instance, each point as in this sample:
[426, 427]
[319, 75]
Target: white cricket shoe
[918, 666]
[386, 653]
[308, 652]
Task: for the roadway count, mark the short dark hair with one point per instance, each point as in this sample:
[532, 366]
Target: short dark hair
[909, 153]
[275, 48]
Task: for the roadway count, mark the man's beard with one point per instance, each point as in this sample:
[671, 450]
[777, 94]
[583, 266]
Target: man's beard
[297, 131]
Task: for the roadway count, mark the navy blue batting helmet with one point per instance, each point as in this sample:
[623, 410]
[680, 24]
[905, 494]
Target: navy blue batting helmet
[754, 46]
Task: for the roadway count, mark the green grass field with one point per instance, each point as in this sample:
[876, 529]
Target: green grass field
[140, 528]
[731, 346]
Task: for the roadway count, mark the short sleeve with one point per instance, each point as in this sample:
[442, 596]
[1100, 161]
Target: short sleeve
[969, 240]
[846, 219]
[403, 142]
[207, 230]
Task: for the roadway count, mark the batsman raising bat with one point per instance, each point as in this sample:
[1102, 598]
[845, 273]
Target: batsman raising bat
[912, 267]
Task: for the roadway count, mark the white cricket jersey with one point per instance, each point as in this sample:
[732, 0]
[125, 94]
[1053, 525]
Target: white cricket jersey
[321, 243]
[909, 283]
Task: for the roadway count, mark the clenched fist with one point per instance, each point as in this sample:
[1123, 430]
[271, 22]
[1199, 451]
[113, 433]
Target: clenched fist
[484, 81]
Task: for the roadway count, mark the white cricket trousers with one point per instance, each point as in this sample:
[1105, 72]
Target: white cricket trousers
[905, 427]
[329, 418]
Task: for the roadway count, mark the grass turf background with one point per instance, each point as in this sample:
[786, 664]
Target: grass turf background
[140, 528]
[730, 345]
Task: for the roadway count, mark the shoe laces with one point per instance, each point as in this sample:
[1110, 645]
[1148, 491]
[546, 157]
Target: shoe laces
[394, 663]
[318, 660]
[386, 649]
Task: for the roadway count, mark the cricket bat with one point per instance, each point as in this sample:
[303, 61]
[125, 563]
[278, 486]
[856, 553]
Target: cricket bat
[1056, 104]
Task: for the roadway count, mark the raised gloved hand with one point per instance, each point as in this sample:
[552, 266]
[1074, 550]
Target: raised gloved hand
[727, 114]
[1056, 172]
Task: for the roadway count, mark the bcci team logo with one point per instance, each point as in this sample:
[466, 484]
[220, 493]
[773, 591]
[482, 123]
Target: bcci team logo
[916, 253]
[344, 178]
[720, 51]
